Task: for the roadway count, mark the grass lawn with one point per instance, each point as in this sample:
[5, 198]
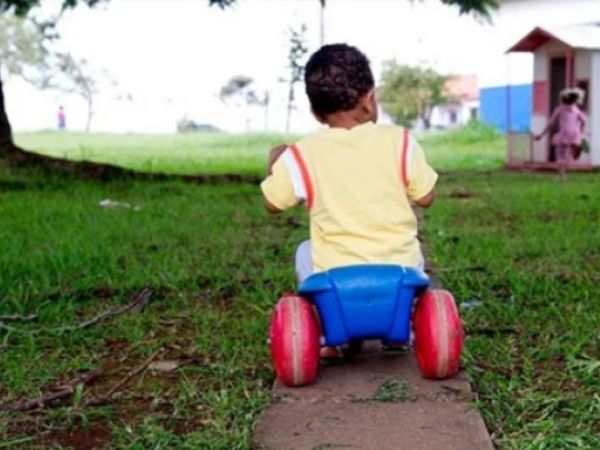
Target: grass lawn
[473, 147]
[522, 250]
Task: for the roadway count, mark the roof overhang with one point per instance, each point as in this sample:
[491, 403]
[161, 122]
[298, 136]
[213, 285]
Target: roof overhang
[534, 40]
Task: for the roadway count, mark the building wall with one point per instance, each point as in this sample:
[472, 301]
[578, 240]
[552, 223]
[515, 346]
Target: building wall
[494, 107]
[583, 69]
[442, 115]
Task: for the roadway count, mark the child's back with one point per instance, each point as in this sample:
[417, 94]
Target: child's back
[356, 178]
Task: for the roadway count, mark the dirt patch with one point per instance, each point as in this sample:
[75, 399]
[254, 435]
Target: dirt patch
[97, 435]
[462, 193]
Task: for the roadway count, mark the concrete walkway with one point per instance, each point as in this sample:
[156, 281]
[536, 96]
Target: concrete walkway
[347, 408]
[374, 401]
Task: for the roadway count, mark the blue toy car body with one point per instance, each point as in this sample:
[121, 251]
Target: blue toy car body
[365, 301]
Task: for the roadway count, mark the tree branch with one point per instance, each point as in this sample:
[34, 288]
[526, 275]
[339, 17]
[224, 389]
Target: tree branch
[138, 300]
[105, 398]
[52, 398]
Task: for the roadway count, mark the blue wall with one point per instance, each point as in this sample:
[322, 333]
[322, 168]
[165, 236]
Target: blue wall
[493, 107]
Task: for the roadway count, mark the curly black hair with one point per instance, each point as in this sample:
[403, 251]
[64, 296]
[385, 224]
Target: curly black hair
[336, 77]
[570, 98]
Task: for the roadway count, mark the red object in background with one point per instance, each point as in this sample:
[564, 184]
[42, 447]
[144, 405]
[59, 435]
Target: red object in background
[295, 340]
[541, 102]
[439, 334]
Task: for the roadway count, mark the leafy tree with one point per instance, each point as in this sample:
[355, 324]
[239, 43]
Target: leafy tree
[21, 46]
[409, 93]
[76, 77]
[21, 49]
[296, 54]
[24, 52]
[22, 7]
[240, 86]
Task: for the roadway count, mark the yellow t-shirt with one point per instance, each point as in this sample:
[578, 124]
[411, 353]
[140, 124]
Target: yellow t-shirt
[357, 185]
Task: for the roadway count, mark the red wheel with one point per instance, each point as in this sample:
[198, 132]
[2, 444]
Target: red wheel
[438, 334]
[295, 338]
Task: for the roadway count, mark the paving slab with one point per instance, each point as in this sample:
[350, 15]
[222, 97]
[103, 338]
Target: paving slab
[342, 410]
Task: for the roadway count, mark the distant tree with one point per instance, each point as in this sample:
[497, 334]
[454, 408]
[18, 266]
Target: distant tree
[74, 76]
[21, 49]
[296, 54]
[24, 51]
[409, 93]
[240, 87]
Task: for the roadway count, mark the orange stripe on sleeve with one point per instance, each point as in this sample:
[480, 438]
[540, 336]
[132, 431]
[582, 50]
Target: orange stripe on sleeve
[305, 176]
[404, 157]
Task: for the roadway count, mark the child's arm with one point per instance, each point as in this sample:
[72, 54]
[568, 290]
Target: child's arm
[583, 120]
[422, 178]
[278, 191]
[274, 155]
[551, 124]
[427, 201]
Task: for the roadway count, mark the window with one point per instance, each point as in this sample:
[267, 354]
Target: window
[584, 85]
[453, 117]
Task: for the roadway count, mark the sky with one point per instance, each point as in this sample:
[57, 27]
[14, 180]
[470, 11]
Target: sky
[163, 60]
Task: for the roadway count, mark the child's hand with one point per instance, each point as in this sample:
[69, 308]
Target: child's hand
[274, 155]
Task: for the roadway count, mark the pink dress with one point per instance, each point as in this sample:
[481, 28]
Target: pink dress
[570, 121]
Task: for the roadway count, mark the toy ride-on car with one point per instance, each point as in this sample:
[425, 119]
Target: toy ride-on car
[361, 303]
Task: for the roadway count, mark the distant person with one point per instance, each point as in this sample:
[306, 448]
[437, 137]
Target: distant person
[569, 122]
[356, 178]
[62, 118]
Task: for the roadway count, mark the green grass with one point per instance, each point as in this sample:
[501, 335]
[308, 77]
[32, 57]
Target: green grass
[525, 246]
[473, 147]
[216, 264]
[162, 153]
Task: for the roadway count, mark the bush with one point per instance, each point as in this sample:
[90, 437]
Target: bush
[189, 126]
[475, 132]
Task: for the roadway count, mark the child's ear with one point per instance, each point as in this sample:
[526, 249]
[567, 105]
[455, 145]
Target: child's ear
[369, 104]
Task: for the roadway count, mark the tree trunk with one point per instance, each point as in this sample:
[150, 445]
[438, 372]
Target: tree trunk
[290, 106]
[5, 130]
[322, 24]
[17, 157]
[90, 114]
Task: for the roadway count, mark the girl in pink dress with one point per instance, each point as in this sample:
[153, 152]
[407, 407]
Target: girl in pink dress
[570, 123]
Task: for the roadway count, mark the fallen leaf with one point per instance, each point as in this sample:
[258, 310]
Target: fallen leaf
[168, 365]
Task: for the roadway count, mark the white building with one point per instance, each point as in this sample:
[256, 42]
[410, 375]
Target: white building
[563, 57]
[464, 105]
[498, 68]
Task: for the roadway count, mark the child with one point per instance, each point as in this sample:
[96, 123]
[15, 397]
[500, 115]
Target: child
[570, 123]
[357, 179]
[62, 118]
